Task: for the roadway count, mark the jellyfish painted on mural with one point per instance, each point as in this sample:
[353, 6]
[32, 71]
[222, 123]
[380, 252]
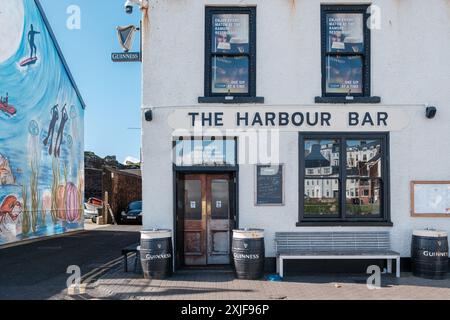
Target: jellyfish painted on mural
[72, 204]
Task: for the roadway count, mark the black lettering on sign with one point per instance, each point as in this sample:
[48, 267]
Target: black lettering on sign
[240, 118]
[353, 118]
[269, 184]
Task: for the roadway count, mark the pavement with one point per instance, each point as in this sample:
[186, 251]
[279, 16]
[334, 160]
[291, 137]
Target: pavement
[37, 270]
[222, 285]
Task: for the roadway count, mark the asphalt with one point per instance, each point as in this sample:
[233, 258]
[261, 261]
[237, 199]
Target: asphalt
[37, 271]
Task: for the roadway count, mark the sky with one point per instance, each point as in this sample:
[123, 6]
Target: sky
[111, 91]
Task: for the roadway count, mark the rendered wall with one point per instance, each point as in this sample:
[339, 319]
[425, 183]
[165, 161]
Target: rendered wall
[41, 131]
[410, 68]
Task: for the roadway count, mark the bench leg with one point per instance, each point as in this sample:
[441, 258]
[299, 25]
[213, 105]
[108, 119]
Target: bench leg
[281, 267]
[397, 271]
[125, 262]
[389, 265]
[278, 264]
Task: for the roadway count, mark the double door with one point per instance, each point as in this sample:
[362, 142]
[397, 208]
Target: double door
[207, 218]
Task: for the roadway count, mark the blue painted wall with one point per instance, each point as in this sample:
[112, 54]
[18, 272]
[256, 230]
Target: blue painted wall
[41, 132]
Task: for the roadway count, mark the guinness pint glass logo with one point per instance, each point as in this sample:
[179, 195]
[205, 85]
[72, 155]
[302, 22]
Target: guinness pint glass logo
[126, 36]
[245, 245]
[159, 246]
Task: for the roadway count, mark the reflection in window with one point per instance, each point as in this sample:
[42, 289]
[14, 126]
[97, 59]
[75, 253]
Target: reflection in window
[205, 152]
[364, 158]
[321, 198]
[322, 157]
[365, 197]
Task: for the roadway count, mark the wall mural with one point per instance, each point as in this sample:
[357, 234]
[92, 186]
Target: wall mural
[41, 131]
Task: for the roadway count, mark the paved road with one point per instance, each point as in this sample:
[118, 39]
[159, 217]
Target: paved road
[38, 270]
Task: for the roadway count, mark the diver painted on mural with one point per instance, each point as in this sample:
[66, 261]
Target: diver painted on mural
[51, 128]
[59, 136]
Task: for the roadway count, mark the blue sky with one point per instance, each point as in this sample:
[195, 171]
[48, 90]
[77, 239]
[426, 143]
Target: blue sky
[112, 91]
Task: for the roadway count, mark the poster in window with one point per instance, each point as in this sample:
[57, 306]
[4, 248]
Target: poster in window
[231, 33]
[230, 75]
[344, 74]
[345, 32]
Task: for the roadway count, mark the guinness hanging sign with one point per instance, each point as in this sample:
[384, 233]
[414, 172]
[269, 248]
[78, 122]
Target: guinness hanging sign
[126, 38]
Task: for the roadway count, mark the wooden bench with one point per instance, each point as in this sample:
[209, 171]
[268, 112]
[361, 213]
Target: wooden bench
[335, 245]
[125, 251]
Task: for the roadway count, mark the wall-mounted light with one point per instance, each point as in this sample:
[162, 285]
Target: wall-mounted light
[148, 115]
[430, 112]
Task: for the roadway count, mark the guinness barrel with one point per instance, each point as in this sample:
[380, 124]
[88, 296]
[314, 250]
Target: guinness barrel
[429, 254]
[248, 253]
[156, 253]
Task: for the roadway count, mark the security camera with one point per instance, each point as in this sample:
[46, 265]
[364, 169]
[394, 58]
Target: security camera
[130, 3]
[430, 112]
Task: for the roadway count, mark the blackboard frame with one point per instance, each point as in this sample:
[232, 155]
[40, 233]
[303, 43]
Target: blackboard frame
[283, 192]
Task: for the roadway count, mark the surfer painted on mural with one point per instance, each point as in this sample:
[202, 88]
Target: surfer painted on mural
[33, 49]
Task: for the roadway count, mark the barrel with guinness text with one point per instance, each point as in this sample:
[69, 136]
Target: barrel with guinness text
[429, 254]
[248, 253]
[156, 253]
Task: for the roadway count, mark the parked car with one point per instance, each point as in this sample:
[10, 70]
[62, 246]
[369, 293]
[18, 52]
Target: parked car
[91, 208]
[133, 213]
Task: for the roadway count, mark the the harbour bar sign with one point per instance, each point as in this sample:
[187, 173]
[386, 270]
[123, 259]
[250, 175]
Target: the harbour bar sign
[328, 119]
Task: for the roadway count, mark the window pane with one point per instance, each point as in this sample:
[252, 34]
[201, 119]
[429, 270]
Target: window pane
[344, 74]
[322, 158]
[364, 158]
[220, 199]
[363, 197]
[345, 32]
[230, 75]
[230, 152]
[231, 33]
[205, 152]
[213, 153]
[193, 199]
[321, 197]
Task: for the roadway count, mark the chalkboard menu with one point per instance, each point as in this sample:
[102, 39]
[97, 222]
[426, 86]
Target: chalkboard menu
[269, 185]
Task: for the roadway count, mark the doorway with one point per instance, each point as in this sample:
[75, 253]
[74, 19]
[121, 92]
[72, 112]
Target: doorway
[206, 215]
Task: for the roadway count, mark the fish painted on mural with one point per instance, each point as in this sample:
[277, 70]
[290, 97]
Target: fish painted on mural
[5, 107]
[10, 211]
[6, 175]
[33, 49]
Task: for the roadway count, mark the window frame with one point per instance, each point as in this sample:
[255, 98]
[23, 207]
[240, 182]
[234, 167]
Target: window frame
[366, 56]
[384, 219]
[209, 96]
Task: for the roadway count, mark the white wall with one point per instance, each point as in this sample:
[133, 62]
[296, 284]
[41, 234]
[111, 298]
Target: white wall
[410, 67]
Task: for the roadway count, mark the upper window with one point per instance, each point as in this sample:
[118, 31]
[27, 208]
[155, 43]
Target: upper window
[344, 178]
[230, 66]
[345, 51]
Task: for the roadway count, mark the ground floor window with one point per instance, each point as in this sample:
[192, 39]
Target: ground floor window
[344, 178]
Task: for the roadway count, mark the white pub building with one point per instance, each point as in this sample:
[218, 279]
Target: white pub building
[294, 116]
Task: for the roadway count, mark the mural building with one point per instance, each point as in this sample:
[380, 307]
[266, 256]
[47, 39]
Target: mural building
[41, 129]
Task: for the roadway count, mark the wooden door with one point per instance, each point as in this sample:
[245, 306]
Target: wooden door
[218, 216]
[207, 219]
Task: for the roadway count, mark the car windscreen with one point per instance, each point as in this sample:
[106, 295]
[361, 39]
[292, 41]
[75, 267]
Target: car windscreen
[135, 206]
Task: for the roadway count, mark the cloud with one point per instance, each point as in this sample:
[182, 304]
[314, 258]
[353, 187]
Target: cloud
[131, 159]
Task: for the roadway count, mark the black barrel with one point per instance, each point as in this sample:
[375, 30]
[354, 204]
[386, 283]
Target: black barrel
[156, 253]
[429, 254]
[248, 253]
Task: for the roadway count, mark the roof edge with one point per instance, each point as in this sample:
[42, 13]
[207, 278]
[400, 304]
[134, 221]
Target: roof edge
[60, 54]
